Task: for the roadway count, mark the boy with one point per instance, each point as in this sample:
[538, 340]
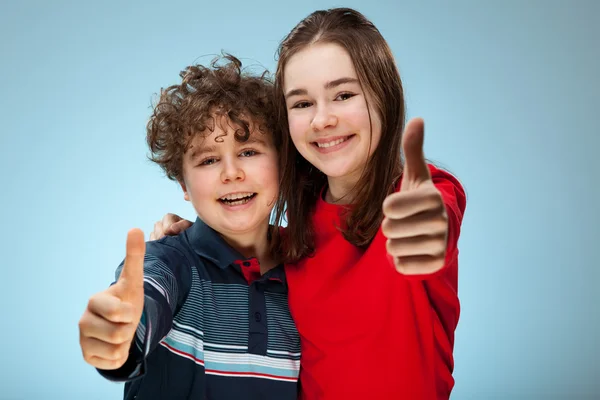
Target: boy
[204, 314]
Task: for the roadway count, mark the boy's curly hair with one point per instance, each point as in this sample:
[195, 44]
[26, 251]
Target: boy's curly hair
[205, 93]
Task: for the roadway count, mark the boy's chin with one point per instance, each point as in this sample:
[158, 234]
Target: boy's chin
[239, 226]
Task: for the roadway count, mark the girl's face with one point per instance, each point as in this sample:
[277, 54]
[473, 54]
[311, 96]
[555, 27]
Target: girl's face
[328, 114]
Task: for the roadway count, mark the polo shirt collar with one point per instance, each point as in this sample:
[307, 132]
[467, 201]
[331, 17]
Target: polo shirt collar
[207, 243]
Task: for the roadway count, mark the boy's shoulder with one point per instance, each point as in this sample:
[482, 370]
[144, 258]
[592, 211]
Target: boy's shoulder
[168, 243]
[199, 242]
[171, 248]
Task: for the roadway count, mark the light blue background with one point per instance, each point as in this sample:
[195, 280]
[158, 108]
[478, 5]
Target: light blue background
[510, 94]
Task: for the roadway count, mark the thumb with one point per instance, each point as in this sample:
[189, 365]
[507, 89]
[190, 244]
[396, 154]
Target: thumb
[415, 167]
[131, 280]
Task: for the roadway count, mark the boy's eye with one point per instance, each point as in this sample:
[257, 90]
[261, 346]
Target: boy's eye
[247, 153]
[344, 96]
[209, 161]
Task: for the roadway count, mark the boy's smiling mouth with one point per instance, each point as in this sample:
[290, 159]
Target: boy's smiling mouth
[237, 199]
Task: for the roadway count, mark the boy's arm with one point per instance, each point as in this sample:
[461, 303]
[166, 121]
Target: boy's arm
[167, 279]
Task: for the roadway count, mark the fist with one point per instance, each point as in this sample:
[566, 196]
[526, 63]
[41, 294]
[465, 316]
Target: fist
[415, 220]
[110, 320]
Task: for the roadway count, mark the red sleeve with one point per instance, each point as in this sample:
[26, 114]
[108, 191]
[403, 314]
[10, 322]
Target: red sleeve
[455, 201]
[441, 287]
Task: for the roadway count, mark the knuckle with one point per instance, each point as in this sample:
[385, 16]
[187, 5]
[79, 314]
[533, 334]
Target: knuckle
[440, 250]
[119, 363]
[442, 245]
[436, 266]
[93, 302]
[123, 353]
[114, 354]
[386, 205]
[118, 336]
[434, 198]
[432, 193]
[402, 269]
[88, 358]
[400, 265]
[444, 214]
[432, 265]
[441, 223]
[385, 227]
[112, 314]
[169, 218]
[389, 246]
[82, 324]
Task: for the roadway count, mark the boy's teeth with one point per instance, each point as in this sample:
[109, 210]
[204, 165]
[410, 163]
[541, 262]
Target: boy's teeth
[238, 202]
[236, 196]
[333, 143]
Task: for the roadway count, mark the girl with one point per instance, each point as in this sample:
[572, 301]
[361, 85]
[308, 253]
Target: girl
[371, 241]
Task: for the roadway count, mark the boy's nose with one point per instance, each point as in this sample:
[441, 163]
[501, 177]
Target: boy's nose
[232, 172]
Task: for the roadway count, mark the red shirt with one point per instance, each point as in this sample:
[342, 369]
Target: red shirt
[367, 331]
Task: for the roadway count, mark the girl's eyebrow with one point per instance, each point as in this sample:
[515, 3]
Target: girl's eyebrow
[341, 81]
[328, 85]
[296, 92]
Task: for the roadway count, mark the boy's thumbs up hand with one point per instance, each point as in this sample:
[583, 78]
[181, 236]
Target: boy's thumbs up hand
[108, 325]
[415, 222]
[130, 286]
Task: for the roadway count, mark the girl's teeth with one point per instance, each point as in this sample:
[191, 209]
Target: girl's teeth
[329, 144]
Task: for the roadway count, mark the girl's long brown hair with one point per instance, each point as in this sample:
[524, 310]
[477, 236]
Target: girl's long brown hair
[301, 183]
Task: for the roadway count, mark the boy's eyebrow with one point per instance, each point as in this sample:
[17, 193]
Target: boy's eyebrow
[198, 151]
[253, 140]
[328, 85]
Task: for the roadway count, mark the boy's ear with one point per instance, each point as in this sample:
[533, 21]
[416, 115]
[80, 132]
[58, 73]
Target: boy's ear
[186, 196]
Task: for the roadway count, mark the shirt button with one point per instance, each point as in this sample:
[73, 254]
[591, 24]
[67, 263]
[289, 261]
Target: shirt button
[257, 316]
[246, 263]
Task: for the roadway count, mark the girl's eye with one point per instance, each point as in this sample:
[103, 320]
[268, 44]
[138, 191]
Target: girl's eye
[209, 161]
[344, 96]
[302, 104]
[248, 153]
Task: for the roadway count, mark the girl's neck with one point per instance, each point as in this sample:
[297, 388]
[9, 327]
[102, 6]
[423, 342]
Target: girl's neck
[341, 190]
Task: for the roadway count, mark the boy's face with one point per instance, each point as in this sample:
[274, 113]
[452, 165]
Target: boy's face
[232, 185]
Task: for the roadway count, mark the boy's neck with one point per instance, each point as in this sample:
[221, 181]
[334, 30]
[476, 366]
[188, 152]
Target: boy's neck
[254, 244]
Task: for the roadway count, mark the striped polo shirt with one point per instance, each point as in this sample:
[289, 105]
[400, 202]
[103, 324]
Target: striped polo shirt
[212, 326]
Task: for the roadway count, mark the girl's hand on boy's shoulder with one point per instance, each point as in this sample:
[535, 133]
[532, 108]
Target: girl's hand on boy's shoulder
[415, 223]
[170, 225]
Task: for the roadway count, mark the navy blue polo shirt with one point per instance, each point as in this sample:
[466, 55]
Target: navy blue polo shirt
[212, 326]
